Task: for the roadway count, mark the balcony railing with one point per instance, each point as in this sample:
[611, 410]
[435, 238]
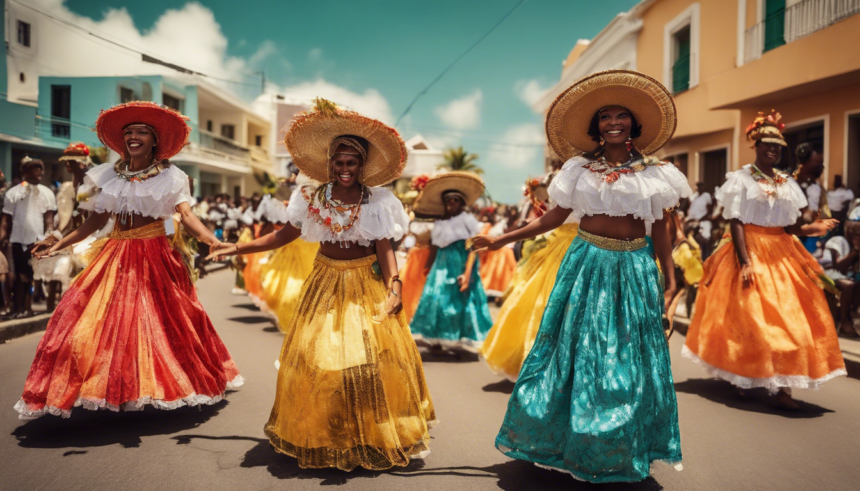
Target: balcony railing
[224, 145]
[260, 155]
[53, 128]
[801, 19]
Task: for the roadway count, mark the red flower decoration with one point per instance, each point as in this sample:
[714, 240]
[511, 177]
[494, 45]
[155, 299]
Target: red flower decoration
[328, 221]
[418, 182]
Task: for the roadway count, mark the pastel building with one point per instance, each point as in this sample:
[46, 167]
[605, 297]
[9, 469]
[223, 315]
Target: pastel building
[725, 60]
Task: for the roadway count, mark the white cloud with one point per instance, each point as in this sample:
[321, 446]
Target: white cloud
[530, 91]
[522, 145]
[265, 50]
[370, 102]
[463, 113]
[315, 54]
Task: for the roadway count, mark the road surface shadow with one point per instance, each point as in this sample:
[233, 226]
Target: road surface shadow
[511, 475]
[756, 400]
[251, 319]
[445, 356]
[271, 329]
[504, 386]
[100, 428]
[246, 306]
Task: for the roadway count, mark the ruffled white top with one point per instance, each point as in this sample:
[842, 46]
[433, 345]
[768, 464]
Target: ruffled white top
[460, 227]
[275, 210]
[381, 217]
[643, 194]
[763, 204]
[157, 197]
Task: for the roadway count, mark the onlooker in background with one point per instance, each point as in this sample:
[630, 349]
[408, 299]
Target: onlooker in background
[5, 282]
[28, 213]
[839, 200]
[839, 260]
[701, 204]
[810, 166]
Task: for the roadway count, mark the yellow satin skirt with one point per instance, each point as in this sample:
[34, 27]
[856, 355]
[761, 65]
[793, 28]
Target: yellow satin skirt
[515, 330]
[775, 332]
[282, 277]
[351, 389]
[413, 278]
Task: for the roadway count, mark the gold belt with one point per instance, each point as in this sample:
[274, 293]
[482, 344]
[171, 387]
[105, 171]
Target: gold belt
[613, 244]
[151, 231]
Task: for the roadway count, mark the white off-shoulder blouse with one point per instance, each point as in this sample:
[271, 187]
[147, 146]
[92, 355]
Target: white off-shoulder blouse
[157, 197]
[643, 190]
[460, 227]
[381, 217]
[752, 198]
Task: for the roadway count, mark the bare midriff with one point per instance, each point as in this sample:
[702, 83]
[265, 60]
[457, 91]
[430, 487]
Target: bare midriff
[354, 251]
[621, 228]
[134, 221]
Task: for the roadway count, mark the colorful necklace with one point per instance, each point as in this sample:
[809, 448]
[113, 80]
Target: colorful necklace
[767, 183]
[610, 173]
[137, 176]
[334, 208]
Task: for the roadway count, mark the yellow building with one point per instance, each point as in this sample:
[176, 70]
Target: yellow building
[725, 60]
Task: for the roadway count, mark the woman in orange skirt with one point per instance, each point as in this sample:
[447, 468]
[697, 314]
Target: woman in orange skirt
[414, 272]
[130, 331]
[761, 317]
[497, 267]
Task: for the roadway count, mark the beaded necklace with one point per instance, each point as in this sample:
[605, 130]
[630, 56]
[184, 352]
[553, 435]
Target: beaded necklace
[610, 173]
[137, 176]
[335, 208]
[767, 183]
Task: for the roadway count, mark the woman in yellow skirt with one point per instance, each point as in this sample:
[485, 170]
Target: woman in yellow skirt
[283, 275]
[761, 316]
[351, 389]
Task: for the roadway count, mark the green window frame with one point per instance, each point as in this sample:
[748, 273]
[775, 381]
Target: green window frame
[774, 24]
[681, 66]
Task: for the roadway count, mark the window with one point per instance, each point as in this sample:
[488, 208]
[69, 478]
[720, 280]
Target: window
[681, 65]
[209, 126]
[228, 131]
[713, 169]
[172, 102]
[680, 161]
[258, 140]
[24, 34]
[774, 24]
[126, 95]
[61, 103]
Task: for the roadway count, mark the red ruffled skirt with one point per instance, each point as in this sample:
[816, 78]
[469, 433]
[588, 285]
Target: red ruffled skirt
[130, 331]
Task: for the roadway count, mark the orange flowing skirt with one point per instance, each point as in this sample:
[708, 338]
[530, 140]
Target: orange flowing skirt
[253, 278]
[130, 331]
[776, 332]
[497, 270]
[413, 278]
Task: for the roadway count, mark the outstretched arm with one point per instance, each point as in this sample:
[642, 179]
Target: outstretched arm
[265, 243]
[550, 220]
[93, 223]
[195, 226]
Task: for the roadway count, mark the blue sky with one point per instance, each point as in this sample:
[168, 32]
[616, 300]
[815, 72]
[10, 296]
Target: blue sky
[380, 54]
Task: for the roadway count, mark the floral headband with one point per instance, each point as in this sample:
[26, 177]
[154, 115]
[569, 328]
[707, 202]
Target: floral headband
[348, 141]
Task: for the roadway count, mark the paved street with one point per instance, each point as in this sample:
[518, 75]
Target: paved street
[728, 443]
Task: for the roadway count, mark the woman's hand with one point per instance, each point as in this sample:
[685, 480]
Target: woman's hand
[479, 242]
[45, 247]
[819, 228]
[463, 281]
[747, 274]
[394, 304]
[221, 249]
[669, 295]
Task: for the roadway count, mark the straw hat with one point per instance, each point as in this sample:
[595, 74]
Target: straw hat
[569, 117]
[77, 151]
[430, 201]
[767, 129]
[312, 132]
[170, 127]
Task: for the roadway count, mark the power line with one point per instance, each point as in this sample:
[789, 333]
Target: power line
[144, 57]
[463, 55]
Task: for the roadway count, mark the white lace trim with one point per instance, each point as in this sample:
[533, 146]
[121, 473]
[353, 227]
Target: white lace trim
[644, 194]
[193, 399]
[157, 197]
[772, 384]
[460, 227]
[466, 344]
[382, 217]
[765, 205]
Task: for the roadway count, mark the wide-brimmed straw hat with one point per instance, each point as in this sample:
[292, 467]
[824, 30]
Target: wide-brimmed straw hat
[312, 132]
[170, 127]
[430, 201]
[569, 117]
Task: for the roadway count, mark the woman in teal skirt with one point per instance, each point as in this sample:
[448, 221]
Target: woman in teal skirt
[595, 396]
[452, 311]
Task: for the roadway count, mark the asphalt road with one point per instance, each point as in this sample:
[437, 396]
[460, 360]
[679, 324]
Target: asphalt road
[728, 443]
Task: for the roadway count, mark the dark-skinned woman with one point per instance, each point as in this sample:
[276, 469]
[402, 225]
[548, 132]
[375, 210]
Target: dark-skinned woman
[761, 317]
[452, 311]
[351, 389]
[595, 396]
[130, 330]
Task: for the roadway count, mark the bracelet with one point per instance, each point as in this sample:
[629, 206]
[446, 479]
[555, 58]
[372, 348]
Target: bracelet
[237, 248]
[392, 280]
[393, 293]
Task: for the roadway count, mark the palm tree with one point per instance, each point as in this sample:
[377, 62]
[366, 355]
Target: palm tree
[459, 159]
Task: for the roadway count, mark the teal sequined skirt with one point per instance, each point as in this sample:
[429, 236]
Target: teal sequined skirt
[595, 396]
[445, 315]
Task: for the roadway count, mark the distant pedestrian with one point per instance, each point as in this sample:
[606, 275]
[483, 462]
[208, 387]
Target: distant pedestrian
[28, 216]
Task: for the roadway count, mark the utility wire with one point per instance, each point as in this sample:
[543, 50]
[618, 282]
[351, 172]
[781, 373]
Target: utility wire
[463, 55]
